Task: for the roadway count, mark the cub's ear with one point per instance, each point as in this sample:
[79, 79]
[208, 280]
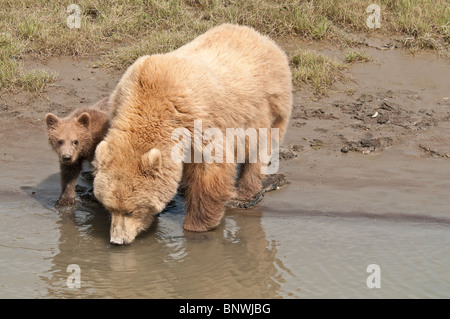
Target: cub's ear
[51, 120]
[151, 161]
[100, 153]
[84, 119]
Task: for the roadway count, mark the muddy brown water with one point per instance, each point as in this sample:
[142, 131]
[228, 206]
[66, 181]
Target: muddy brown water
[314, 238]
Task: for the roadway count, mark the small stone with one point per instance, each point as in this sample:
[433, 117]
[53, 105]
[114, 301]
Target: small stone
[382, 119]
[367, 141]
[297, 148]
[345, 149]
[386, 106]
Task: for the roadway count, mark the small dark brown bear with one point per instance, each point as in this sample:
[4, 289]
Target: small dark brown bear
[75, 138]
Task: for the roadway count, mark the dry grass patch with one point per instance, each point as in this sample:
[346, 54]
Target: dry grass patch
[357, 56]
[12, 75]
[316, 70]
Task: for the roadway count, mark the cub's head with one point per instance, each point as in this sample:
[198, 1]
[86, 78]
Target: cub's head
[69, 137]
[133, 187]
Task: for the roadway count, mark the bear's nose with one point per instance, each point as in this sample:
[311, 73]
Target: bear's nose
[66, 158]
[116, 241]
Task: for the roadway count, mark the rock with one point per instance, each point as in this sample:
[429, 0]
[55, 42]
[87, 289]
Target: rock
[368, 144]
[297, 148]
[345, 149]
[382, 119]
[316, 143]
[433, 152]
[367, 141]
[286, 154]
[298, 124]
[291, 152]
[274, 182]
[386, 106]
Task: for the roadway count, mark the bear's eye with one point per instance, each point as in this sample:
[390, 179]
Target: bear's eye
[129, 213]
[75, 142]
[60, 142]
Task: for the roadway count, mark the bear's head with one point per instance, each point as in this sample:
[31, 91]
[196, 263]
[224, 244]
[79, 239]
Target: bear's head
[69, 137]
[133, 188]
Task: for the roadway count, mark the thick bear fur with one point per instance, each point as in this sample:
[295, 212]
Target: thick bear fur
[74, 138]
[229, 77]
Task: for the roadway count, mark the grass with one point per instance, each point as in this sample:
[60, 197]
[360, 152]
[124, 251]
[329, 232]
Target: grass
[118, 31]
[316, 69]
[35, 80]
[12, 74]
[425, 23]
[357, 56]
[153, 44]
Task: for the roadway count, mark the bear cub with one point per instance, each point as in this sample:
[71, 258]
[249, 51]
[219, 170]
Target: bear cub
[74, 138]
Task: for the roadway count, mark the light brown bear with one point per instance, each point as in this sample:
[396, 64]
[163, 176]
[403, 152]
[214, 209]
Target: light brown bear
[229, 77]
[75, 138]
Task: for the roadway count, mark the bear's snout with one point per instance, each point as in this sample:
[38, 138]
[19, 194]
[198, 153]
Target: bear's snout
[123, 230]
[66, 158]
[117, 241]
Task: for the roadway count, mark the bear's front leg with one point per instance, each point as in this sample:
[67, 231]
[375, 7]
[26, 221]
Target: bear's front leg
[207, 188]
[69, 177]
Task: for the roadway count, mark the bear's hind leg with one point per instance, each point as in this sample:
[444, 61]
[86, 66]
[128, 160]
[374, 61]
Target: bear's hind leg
[207, 188]
[249, 182]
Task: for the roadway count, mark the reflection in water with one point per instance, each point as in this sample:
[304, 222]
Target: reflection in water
[233, 261]
[258, 253]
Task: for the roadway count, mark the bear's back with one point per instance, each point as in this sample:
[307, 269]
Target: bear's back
[227, 75]
[236, 54]
[239, 71]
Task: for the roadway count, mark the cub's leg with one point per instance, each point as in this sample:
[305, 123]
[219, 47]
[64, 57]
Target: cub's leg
[69, 176]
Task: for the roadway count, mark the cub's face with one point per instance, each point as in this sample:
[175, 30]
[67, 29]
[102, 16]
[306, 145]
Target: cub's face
[132, 190]
[68, 136]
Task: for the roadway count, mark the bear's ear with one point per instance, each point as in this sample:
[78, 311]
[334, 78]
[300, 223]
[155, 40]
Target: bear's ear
[151, 161]
[100, 153]
[51, 120]
[84, 119]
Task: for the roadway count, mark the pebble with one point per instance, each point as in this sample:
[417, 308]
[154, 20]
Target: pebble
[345, 149]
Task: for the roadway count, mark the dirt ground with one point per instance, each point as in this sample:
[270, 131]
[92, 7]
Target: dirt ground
[385, 128]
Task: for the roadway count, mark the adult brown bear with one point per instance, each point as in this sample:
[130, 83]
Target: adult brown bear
[229, 77]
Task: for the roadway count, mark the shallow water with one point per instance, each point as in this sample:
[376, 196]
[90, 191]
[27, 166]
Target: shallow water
[255, 253]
